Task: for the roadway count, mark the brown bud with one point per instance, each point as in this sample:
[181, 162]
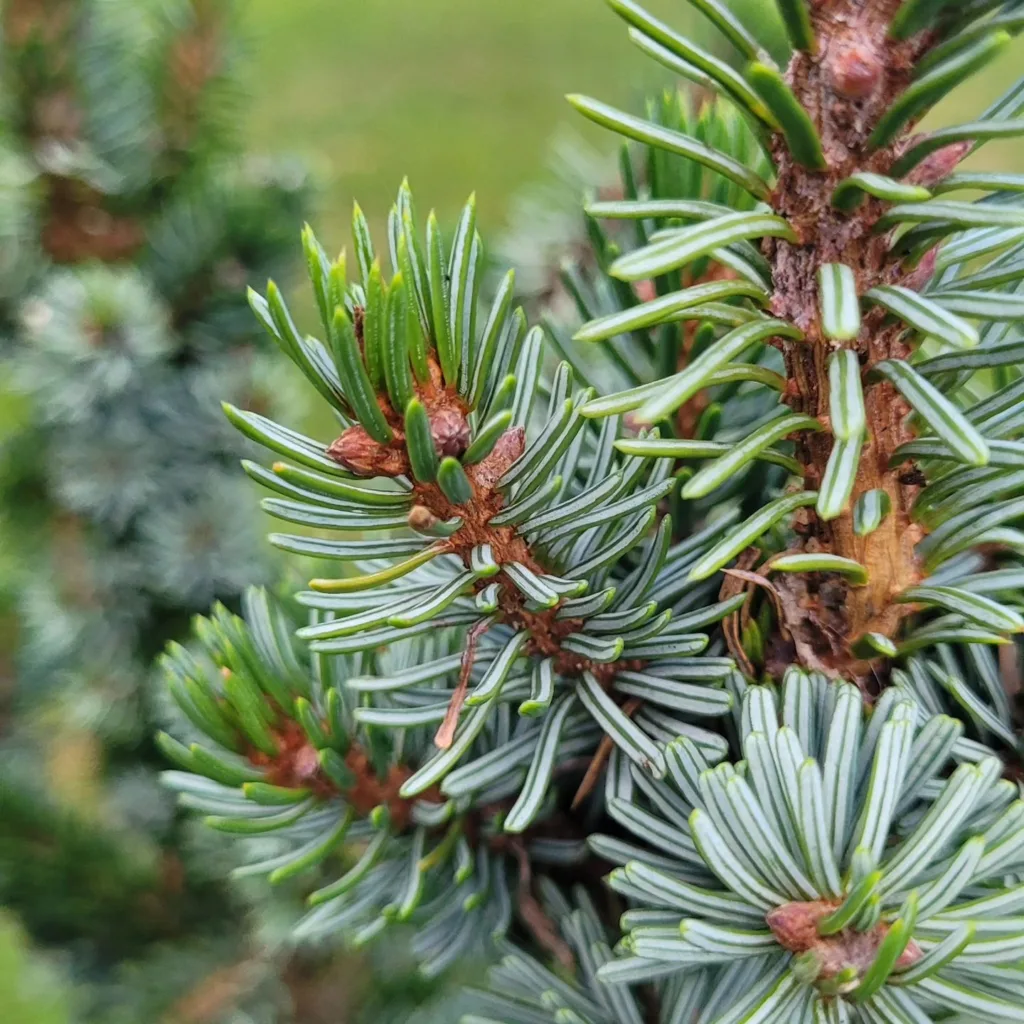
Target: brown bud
[508, 448]
[307, 762]
[856, 68]
[940, 164]
[450, 430]
[795, 927]
[359, 453]
[645, 290]
[421, 519]
[909, 956]
[922, 273]
[632, 424]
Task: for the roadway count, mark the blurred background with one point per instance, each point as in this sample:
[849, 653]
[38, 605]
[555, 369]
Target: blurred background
[155, 157]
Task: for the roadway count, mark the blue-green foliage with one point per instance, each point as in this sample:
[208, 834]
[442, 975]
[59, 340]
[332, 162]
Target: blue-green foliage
[413, 861]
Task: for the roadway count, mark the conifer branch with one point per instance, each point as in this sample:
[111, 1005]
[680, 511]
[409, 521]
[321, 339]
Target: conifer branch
[817, 827]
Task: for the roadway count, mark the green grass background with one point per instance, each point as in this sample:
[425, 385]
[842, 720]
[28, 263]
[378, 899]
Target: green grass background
[461, 95]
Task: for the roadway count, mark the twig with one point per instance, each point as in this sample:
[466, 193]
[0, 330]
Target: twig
[446, 733]
[533, 914]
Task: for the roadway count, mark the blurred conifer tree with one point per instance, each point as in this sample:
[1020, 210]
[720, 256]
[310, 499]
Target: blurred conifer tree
[130, 223]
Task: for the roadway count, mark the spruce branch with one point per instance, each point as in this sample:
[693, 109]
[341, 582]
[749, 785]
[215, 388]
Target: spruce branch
[794, 443]
[813, 883]
[866, 916]
[283, 748]
[525, 528]
[846, 229]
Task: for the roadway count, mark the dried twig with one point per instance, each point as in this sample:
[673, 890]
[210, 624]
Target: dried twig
[533, 914]
[446, 733]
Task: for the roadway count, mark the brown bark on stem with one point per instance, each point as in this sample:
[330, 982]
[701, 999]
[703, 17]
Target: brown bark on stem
[360, 453]
[845, 85]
